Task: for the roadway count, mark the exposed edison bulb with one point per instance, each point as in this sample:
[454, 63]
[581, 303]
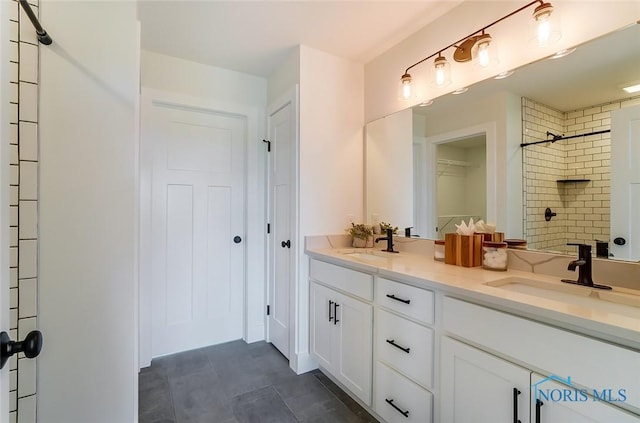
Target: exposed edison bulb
[406, 86]
[547, 29]
[544, 30]
[442, 76]
[484, 56]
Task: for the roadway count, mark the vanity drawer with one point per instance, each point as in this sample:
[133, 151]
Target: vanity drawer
[413, 403]
[414, 302]
[405, 346]
[347, 280]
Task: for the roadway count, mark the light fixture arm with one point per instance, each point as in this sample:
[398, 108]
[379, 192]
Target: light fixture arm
[473, 34]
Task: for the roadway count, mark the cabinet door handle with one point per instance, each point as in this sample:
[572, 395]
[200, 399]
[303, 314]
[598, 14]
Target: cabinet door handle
[398, 409]
[393, 342]
[515, 405]
[539, 405]
[335, 313]
[330, 304]
[393, 297]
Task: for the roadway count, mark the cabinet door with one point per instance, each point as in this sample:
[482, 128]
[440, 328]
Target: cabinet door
[322, 329]
[354, 346]
[479, 387]
[566, 404]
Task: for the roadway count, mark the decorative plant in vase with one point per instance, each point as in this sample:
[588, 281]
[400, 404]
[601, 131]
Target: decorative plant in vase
[384, 226]
[362, 235]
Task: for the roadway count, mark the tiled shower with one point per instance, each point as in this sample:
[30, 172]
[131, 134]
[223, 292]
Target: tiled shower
[23, 149]
[582, 208]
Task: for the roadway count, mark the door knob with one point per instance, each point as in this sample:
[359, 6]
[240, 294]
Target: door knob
[286, 244]
[31, 346]
[237, 239]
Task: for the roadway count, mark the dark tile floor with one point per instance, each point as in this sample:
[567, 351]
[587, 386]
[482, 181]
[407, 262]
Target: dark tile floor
[237, 383]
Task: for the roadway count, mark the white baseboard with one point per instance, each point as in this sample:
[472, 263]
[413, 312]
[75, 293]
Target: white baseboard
[302, 363]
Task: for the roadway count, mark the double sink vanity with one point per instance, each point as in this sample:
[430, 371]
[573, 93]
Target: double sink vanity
[417, 340]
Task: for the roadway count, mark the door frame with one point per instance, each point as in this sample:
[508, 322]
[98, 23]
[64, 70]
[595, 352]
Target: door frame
[254, 198]
[429, 172]
[291, 96]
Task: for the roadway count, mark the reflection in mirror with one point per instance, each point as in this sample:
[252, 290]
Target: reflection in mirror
[461, 188]
[576, 94]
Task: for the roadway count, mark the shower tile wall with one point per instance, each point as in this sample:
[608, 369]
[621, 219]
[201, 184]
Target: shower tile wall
[23, 148]
[582, 208]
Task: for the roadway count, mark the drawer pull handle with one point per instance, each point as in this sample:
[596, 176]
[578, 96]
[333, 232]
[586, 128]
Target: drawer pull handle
[393, 342]
[515, 405]
[335, 313]
[398, 409]
[330, 316]
[539, 405]
[393, 297]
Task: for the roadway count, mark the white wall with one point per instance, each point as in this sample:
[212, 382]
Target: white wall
[382, 74]
[88, 219]
[389, 170]
[183, 76]
[285, 77]
[233, 89]
[503, 110]
[331, 159]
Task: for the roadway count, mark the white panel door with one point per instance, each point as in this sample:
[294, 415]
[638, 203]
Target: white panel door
[197, 209]
[479, 387]
[281, 136]
[625, 183]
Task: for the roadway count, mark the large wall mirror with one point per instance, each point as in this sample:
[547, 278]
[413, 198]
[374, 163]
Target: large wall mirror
[438, 155]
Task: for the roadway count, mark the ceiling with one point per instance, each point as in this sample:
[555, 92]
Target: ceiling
[256, 36]
[593, 74]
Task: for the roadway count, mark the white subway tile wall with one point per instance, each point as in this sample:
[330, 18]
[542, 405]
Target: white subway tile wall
[582, 208]
[23, 220]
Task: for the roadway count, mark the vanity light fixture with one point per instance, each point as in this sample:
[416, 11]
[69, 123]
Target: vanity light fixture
[546, 30]
[478, 44]
[442, 71]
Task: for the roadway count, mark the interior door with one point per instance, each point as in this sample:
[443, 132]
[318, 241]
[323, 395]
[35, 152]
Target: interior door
[282, 217]
[197, 226]
[625, 183]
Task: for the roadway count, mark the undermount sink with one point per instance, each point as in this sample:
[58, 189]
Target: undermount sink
[625, 303]
[367, 255]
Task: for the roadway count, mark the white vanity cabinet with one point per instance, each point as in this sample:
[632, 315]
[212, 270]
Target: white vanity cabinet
[404, 352]
[481, 388]
[571, 406]
[341, 325]
[477, 385]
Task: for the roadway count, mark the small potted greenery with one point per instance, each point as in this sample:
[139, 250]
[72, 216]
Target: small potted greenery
[384, 226]
[361, 234]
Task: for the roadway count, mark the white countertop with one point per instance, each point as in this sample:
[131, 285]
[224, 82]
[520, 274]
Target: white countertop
[470, 283]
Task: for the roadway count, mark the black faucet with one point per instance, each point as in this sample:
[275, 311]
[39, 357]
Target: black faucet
[389, 239]
[584, 265]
